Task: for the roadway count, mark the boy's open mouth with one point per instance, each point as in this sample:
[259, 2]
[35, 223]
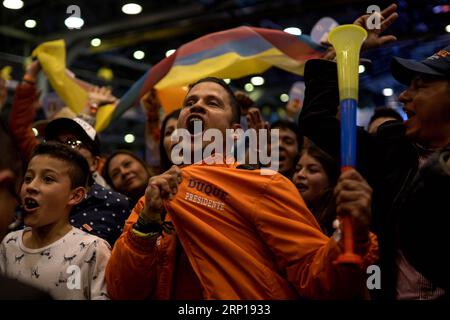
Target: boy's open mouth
[30, 204]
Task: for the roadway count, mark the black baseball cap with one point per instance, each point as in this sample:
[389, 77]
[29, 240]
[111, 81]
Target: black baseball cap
[438, 65]
[80, 128]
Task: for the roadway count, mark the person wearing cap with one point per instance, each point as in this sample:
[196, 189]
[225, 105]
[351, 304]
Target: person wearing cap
[104, 211]
[79, 135]
[406, 164]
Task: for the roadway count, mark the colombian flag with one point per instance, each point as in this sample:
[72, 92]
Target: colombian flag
[232, 54]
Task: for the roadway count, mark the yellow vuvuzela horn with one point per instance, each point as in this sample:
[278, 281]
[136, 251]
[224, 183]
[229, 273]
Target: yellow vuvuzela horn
[347, 40]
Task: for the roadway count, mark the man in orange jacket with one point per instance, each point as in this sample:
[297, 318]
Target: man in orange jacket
[218, 231]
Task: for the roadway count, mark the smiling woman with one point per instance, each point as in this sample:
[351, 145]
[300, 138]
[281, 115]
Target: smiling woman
[316, 175]
[127, 173]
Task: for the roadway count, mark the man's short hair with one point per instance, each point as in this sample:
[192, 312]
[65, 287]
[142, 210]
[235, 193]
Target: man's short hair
[78, 167]
[385, 113]
[235, 107]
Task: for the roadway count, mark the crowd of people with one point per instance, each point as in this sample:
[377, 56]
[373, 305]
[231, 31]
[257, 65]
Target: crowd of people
[77, 225]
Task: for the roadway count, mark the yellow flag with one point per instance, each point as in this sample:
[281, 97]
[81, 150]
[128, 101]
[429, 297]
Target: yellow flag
[52, 56]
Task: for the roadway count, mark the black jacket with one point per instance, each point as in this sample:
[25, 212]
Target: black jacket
[387, 161]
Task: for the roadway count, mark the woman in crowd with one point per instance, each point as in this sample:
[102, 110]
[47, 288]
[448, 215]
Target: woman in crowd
[315, 176]
[127, 173]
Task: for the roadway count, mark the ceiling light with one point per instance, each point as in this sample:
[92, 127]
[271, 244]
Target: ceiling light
[284, 97]
[139, 55]
[447, 28]
[96, 42]
[30, 23]
[74, 22]
[170, 52]
[129, 138]
[361, 68]
[257, 81]
[249, 87]
[13, 4]
[293, 30]
[387, 92]
[131, 8]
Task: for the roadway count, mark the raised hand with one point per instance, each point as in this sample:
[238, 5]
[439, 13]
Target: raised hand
[255, 119]
[151, 104]
[245, 102]
[161, 187]
[32, 71]
[101, 96]
[374, 40]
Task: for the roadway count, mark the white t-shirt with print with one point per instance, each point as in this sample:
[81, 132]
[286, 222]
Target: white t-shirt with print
[71, 268]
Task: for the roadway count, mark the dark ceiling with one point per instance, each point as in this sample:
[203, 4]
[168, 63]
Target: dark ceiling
[164, 25]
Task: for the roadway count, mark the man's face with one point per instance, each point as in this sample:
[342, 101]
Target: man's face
[288, 150]
[92, 160]
[209, 103]
[427, 105]
[46, 191]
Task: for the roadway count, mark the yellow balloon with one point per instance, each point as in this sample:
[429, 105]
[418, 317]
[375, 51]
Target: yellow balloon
[105, 74]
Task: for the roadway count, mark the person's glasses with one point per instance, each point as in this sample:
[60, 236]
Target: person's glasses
[74, 143]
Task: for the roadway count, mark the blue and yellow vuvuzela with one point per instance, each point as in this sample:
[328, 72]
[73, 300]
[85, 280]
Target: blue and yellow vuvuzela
[347, 41]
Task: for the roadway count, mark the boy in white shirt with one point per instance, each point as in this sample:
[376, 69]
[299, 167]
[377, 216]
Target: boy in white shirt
[50, 253]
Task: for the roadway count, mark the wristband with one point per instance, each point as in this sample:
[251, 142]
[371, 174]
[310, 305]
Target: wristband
[144, 235]
[146, 227]
[152, 228]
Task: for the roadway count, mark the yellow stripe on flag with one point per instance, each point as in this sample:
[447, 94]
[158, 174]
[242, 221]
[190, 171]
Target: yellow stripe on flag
[230, 65]
[103, 117]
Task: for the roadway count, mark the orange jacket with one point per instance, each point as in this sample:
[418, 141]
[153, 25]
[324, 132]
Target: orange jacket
[246, 235]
